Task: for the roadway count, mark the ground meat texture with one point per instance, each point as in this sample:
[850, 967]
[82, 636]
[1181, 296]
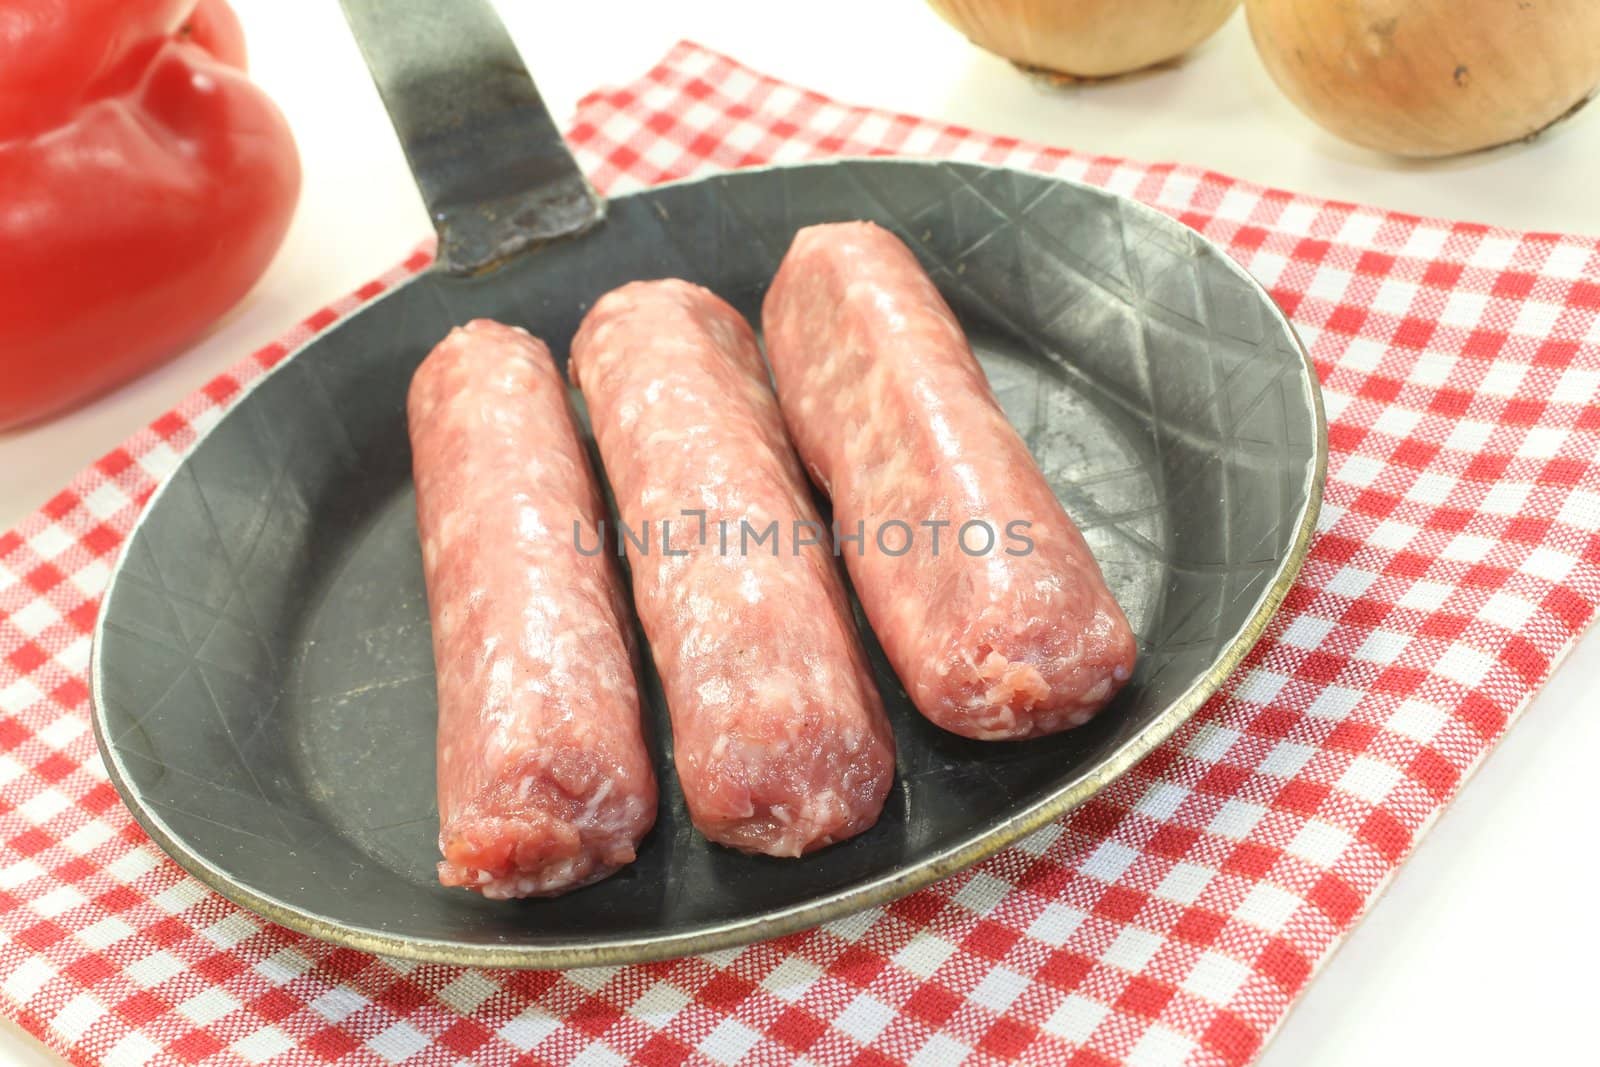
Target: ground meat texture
[895, 420]
[545, 783]
[778, 733]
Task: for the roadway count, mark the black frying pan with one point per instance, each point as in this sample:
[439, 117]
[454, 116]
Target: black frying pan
[262, 675]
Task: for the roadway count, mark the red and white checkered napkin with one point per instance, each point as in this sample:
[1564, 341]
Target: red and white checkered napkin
[1172, 919]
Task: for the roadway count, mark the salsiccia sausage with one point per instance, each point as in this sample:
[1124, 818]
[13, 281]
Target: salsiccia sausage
[895, 420]
[779, 736]
[544, 780]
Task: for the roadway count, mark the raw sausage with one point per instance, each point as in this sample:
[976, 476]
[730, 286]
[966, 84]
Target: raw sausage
[544, 780]
[779, 736]
[894, 418]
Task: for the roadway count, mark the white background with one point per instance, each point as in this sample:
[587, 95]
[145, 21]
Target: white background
[1482, 950]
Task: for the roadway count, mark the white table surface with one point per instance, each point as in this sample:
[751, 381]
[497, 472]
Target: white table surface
[1482, 950]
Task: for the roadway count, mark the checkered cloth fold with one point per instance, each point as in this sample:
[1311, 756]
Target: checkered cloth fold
[1172, 919]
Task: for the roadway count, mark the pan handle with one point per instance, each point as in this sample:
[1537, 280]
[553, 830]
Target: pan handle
[489, 161]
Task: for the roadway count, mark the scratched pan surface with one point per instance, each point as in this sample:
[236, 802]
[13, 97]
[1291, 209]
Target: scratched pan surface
[262, 674]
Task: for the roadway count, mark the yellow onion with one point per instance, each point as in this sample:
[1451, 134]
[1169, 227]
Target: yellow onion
[1431, 77]
[1086, 38]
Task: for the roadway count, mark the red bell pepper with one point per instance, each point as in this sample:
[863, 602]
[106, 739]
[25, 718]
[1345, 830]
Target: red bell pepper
[145, 184]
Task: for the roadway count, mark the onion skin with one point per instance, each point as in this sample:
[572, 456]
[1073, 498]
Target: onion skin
[1086, 38]
[1431, 78]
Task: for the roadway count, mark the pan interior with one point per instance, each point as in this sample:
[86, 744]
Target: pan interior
[263, 671]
